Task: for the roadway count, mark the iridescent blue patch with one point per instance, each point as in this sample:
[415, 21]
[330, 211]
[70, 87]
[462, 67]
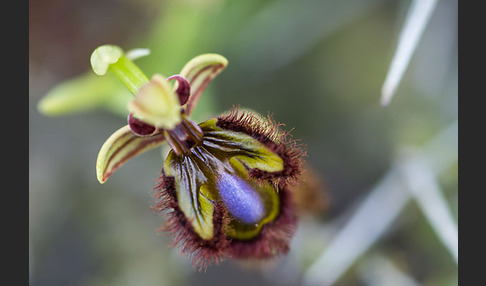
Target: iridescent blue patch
[241, 200]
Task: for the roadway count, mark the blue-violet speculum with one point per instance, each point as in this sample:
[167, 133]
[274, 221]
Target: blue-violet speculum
[226, 185]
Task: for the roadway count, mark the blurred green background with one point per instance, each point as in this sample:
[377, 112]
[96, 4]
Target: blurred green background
[317, 66]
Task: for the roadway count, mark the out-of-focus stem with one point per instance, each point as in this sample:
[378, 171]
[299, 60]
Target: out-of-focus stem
[129, 74]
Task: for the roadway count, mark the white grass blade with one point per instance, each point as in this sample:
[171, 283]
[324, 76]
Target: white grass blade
[417, 18]
[424, 187]
[381, 207]
[381, 271]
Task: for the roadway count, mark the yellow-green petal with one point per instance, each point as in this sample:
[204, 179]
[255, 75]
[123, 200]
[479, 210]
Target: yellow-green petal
[120, 147]
[157, 104]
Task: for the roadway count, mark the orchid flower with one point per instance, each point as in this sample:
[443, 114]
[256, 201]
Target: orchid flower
[226, 185]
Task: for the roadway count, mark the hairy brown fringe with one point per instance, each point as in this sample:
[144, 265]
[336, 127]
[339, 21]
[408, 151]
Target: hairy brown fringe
[267, 132]
[202, 252]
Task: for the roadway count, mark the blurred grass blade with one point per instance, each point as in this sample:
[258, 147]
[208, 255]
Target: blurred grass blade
[122, 146]
[199, 72]
[417, 18]
[381, 270]
[376, 213]
[424, 187]
[381, 207]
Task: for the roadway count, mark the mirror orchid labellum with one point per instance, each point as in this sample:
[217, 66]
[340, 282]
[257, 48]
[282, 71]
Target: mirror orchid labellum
[226, 185]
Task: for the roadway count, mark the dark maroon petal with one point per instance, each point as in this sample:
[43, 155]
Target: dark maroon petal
[139, 127]
[184, 88]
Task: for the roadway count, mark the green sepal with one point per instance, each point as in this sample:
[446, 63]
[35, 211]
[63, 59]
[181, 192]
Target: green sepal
[83, 93]
[120, 147]
[199, 72]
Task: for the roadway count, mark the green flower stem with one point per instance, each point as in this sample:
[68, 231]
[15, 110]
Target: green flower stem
[112, 58]
[129, 74]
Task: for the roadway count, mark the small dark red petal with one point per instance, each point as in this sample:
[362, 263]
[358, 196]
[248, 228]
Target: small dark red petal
[184, 88]
[139, 127]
